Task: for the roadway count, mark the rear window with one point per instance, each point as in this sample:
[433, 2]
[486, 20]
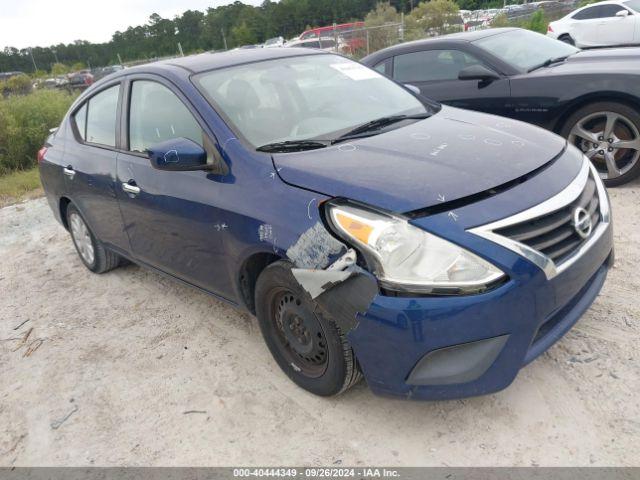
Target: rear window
[101, 112]
[81, 121]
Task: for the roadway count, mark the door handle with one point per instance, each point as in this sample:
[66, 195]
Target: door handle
[131, 187]
[69, 171]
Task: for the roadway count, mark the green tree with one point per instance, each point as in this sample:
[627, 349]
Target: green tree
[538, 22]
[59, 69]
[435, 17]
[78, 66]
[500, 21]
[381, 35]
[242, 35]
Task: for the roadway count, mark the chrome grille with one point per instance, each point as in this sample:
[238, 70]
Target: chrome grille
[543, 233]
[554, 234]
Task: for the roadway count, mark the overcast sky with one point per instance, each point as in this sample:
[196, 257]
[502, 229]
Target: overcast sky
[30, 23]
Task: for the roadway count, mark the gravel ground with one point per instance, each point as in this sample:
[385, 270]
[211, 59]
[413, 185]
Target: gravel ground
[130, 368]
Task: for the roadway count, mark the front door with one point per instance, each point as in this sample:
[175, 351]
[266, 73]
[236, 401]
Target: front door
[615, 30]
[171, 218]
[435, 73]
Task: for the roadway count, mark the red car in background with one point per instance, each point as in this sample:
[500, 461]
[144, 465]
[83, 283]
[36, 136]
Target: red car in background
[81, 79]
[351, 33]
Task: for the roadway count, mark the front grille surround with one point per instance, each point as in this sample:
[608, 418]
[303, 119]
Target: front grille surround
[545, 234]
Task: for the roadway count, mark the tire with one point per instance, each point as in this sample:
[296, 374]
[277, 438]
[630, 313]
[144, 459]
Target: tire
[609, 135]
[305, 342]
[566, 38]
[90, 250]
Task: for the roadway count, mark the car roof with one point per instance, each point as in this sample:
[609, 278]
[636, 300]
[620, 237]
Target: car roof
[463, 36]
[460, 37]
[213, 60]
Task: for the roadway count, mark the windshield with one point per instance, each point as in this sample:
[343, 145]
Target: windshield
[633, 5]
[525, 49]
[302, 98]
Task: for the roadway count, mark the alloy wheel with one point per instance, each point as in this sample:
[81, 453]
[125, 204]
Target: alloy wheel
[610, 140]
[82, 238]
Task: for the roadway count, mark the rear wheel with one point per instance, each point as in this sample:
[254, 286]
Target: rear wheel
[92, 253]
[566, 38]
[307, 345]
[609, 135]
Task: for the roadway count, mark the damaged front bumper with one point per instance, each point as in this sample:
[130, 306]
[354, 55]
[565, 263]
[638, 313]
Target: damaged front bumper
[451, 347]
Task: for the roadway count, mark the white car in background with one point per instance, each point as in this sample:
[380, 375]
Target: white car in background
[601, 24]
[328, 44]
[276, 42]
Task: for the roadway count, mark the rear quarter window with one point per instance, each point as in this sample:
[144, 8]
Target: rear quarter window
[80, 120]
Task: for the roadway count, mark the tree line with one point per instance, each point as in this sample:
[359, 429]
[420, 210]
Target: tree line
[218, 28]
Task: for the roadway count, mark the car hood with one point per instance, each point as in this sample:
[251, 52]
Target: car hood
[606, 54]
[605, 61]
[451, 155]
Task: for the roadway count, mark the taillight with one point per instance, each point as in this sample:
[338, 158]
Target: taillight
[41, 153]
[549, 29]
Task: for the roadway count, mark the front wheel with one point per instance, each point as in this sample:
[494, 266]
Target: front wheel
[609, 135]
[307, 345]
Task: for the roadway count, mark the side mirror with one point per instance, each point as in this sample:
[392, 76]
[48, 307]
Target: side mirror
[413, 88]
[622, 13]
[477, 72]
[178, 154]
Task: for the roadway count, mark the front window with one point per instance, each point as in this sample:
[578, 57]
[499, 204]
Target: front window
[610, 10]
[431, 65]
[524, 49]
[157, 115]
[590, 13]
[300, 98]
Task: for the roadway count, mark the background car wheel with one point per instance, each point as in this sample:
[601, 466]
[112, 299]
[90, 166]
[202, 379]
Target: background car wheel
[94, 256]
[566, 38]
[609, 135]
[307, 344]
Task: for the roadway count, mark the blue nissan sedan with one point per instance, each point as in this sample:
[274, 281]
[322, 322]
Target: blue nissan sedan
[434, 251]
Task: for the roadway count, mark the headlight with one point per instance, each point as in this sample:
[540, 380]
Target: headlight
[409, 259]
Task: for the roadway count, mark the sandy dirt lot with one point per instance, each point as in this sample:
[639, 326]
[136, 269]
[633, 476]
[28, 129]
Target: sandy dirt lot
[130, 368]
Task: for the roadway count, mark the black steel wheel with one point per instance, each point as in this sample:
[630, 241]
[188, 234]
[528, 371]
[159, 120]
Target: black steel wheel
[306, 343]
[300, 335]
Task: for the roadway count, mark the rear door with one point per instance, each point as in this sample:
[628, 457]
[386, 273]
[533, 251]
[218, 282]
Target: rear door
[435, 73]
[172, 219]
[90, 164]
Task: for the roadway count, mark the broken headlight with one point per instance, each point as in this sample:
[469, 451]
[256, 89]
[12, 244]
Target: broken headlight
[407, 258]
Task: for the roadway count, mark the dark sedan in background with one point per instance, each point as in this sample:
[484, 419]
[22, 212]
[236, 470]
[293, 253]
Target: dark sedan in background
[592, 98]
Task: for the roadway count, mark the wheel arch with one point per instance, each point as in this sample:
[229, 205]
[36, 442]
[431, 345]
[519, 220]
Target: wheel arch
[248, 275]
[583, 101]
[63, 204]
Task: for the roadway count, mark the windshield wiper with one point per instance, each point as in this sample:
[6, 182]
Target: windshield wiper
[377, 124]
[548, 62]
[291, 146]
